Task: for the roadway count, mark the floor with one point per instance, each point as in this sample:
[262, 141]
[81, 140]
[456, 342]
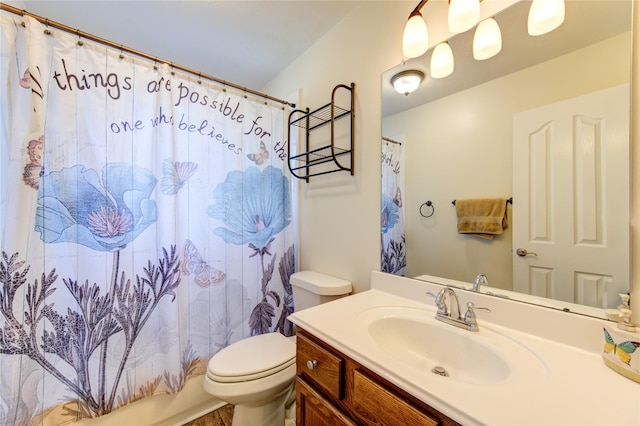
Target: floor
[220, 417]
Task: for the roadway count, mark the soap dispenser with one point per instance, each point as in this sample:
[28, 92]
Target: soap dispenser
[621, 351]
[624, 322]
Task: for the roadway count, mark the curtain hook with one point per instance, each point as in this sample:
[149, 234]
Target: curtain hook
[80, 42]
[224, 86]
[121, 56]
[199, 77]
[47, 31]
[173, 72]
[155, 63]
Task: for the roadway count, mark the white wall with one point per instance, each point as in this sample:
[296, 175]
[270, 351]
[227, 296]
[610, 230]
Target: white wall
[340, 214]
[460, 146]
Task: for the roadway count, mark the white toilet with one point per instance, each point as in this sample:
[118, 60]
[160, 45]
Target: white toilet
[257, 374]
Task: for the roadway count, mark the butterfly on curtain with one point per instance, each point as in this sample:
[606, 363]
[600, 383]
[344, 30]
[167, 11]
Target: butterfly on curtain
[175, 175]
[384, 218]
[33, 169]
[204, 275]
[25, 81]
[623, 350]
[397, 199]
[260, 157]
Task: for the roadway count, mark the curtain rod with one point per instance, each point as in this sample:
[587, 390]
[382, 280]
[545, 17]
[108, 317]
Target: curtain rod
[391, 140]
[123, 48]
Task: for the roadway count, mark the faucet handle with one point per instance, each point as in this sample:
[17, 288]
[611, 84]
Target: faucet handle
[442, 307]
[472, 306]
[470, 315]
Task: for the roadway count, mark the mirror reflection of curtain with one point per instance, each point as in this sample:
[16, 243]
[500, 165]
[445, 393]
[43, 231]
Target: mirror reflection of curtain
[145, 221]
[393, 247]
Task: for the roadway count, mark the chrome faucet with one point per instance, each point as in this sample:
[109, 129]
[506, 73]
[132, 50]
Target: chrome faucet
[441, 303]
[481, 279]
[451, 314]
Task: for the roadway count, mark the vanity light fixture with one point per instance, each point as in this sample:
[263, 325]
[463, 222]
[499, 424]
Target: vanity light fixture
[415, 40]
[406, 82]
[487, 41]
[545, 16]
[441, 61]
[463, 15]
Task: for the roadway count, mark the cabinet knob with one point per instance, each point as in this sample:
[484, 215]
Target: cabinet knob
[312, 364]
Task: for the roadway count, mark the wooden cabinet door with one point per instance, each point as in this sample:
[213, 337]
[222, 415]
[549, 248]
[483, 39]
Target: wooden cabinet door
[379, 406]
[313, 410]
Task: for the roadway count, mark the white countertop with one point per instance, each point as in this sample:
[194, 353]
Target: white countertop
[576, 388]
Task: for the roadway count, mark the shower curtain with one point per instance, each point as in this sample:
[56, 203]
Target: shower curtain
[146, 224]
[393, 248]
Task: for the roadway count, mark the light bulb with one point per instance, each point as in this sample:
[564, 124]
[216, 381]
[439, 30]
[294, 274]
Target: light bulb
[415, 40]
[441, 61]
[487, 41]
[463, 15]
[545, 16]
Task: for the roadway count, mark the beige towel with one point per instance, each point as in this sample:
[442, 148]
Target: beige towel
[482, 217]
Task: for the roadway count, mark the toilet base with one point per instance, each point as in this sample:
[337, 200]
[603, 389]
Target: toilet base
[270, 414]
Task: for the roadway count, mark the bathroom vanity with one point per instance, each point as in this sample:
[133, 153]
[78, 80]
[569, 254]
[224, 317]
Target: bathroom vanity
[333, 389]
[368, 359]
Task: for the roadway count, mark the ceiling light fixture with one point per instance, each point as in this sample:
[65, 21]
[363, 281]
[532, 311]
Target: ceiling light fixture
[545, 16]
[415, 40]
[442, 61]
[406, 82]
[487, 41]
[463, 15]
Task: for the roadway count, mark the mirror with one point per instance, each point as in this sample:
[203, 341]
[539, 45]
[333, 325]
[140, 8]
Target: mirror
[458, 138]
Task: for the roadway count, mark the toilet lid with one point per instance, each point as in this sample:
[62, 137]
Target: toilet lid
[252, 358]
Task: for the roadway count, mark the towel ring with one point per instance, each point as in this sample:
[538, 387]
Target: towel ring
[428, 204]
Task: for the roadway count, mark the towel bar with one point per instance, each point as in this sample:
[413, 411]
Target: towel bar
[509, 200]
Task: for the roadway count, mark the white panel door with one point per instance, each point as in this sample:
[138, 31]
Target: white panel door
[571, 199]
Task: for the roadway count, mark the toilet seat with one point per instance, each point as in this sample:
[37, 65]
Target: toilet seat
[238, 362]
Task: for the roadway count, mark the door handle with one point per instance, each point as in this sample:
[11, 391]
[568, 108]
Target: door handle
[522, 252]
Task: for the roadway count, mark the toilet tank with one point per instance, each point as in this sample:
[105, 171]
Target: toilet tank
[313, 288]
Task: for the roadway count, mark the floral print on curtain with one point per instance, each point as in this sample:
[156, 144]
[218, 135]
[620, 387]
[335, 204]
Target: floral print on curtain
[146, 224]
[393, 257]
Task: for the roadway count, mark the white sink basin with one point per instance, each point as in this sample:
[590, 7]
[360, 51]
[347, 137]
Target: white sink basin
[415, 338]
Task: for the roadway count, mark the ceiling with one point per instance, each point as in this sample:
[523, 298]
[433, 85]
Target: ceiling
[244, 42]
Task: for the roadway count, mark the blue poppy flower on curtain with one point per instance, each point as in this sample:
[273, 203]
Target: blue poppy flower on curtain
[76, 205]
[254, 205]
[389, 214]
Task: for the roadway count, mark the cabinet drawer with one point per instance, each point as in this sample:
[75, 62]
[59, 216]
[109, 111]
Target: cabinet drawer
[374, 402]
[320, 366]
